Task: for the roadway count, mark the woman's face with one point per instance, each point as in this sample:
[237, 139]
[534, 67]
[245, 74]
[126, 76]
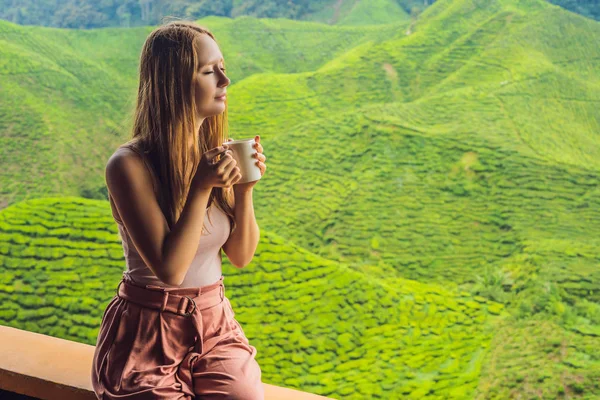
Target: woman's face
[210, 81]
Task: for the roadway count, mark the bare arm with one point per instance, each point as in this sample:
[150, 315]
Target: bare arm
[168, 253]
[181, 243]
[243, 241]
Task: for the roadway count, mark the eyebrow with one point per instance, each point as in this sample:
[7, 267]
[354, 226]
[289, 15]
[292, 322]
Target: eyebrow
[213, 62]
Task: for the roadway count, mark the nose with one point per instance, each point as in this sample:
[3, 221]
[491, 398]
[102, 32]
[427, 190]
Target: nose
[224, 81]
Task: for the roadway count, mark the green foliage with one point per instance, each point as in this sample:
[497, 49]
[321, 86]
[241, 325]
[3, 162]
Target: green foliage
[323, 322]
[494, 285]
[86, 14]
[131, 13]
[433, 183]
[373, 12]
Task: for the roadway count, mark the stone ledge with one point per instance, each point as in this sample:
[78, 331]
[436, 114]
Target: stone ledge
[51, 368]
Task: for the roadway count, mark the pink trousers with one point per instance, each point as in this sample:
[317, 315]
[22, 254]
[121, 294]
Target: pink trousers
[157, 343]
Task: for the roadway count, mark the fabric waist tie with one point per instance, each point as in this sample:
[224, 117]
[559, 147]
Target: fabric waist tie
[187, 302]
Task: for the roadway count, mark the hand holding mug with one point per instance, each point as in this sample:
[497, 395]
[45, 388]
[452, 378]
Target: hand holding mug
[222, 173]
[248, 154]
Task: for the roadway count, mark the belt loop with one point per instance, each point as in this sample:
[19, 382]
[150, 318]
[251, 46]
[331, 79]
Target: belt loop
[183, 305]
[222, 288]
[165, 299]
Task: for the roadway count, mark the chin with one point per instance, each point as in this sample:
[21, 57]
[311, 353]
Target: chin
[213, 113]
[219, 110]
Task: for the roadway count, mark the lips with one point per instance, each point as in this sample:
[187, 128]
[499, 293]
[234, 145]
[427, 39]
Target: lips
[221, 96]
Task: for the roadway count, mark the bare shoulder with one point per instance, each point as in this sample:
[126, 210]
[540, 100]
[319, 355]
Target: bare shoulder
[125, 152]
[125, 161]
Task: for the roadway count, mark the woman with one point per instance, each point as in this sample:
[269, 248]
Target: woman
[170, 331]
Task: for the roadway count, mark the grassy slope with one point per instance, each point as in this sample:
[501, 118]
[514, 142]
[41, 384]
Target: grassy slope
[67, 93]
[480, 184]
[318, 325]
[459, 152]
[358, 12]
[366, 12]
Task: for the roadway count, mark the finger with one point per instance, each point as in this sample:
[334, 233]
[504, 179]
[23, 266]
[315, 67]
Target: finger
[231, 165]
[231, 174]
[223, 164]
[237, 178]
[212, 153]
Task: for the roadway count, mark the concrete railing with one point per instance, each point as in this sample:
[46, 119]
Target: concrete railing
[50, 368]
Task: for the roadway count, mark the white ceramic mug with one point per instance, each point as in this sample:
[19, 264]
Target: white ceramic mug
[242, 151]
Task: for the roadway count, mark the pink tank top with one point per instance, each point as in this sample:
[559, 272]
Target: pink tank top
[205, 268]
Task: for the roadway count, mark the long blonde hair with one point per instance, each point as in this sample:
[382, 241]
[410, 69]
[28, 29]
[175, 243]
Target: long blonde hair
[164, 118]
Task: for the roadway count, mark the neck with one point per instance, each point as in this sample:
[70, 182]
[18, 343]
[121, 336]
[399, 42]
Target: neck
[199, 121]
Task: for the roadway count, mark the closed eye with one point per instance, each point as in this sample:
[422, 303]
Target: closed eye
[211, 72]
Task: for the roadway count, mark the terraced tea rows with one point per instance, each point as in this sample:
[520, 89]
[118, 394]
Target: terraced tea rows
[318, 325]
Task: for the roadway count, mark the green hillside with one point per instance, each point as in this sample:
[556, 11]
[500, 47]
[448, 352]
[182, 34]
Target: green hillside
[87, 14]
[318, 325]
[452, 162]
[65, 91]
[372, 12]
